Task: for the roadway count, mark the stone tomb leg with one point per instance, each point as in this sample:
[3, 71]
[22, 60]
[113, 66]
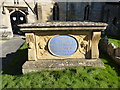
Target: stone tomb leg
[57, 45]
[94, 46]
[30, 40]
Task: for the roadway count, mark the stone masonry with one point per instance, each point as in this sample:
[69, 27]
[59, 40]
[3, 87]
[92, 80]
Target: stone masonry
[43, 11]
[39, 36]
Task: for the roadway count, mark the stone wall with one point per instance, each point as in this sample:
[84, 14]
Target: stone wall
[5, 26]
[75, 11]
[97, 11]
[112, 17]
[68, 11]
[8, 7]
[110, 49]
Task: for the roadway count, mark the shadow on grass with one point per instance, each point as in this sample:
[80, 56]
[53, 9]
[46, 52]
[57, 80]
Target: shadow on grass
[14, 65]
[108, 61]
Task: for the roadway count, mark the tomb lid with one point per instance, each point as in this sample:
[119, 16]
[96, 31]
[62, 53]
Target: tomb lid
[51, 26]
[60, 24]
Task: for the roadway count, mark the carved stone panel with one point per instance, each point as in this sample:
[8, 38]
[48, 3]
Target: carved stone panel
[83, 44]
[44, 53]
[30, 40]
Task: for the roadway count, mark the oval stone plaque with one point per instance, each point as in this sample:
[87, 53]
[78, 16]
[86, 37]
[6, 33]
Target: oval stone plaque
[63, 45]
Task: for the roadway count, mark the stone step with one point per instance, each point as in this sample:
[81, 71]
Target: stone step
[59, 64]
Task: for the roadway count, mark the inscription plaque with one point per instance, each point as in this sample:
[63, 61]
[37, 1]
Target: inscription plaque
[63, 45]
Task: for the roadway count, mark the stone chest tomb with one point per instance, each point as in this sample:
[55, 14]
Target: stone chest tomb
[57, 45]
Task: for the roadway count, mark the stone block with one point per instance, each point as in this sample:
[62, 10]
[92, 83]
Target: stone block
[34, 66]
[95, 40]
[57, 45]
[30, 40]
[103, 43]
[111, 49]
[117, 60]
[117, 52]
[5, 33]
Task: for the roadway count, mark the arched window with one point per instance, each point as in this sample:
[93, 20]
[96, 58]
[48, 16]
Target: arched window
[56, 12]
[86, 12]
[16, 1]
[36, 10]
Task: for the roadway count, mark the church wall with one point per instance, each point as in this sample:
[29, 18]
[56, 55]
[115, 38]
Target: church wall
[112, 17]
[68, 11]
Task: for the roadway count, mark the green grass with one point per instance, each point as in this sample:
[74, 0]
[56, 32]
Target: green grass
[115, 42]
[5, 39]
[75, 77]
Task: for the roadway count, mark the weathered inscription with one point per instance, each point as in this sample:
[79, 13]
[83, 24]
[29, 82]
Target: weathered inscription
[63, 45]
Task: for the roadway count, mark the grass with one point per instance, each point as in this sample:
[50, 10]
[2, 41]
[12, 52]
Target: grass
[5, 39]
[115, 42]
[75, 77]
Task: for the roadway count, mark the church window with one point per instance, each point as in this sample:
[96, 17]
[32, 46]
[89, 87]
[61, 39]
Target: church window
[86, 12]
[56, 12]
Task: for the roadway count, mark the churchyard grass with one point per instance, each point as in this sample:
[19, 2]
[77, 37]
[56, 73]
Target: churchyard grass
[115, 42]
[5, 39]
[75, 77]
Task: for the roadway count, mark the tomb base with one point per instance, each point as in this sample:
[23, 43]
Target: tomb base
[59, 64]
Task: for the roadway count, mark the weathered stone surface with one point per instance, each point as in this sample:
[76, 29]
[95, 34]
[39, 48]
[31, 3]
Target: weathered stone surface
[63, 26]
[94, 45]
[52, 64]
[39, 35]
[81, 31]
[103, 43]
[111, 49]
[63, 23]
[30, 40]
[43, 38]
[5, 32]
[42, 11]
[116, 59]
[117, 52]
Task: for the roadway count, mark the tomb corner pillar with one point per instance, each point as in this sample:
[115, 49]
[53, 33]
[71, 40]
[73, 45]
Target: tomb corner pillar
[30, 40]
[94, 44]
